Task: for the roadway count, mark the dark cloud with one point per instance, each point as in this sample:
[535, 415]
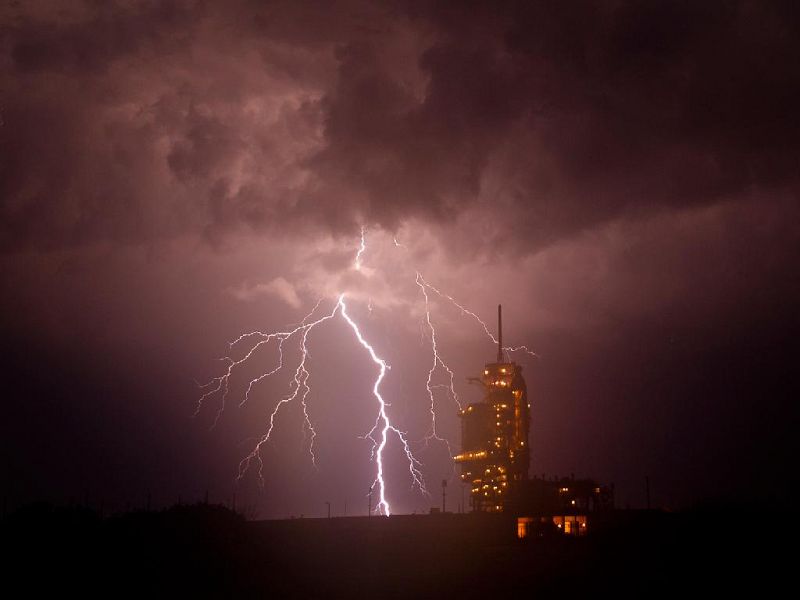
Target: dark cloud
[636, 105]
[330, 115]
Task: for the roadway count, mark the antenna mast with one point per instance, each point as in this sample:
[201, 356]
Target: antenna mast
[499, 333]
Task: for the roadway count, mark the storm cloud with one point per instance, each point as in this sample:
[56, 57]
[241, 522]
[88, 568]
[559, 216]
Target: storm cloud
[135, 121]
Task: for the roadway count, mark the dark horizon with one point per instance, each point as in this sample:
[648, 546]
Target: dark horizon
[623, 178]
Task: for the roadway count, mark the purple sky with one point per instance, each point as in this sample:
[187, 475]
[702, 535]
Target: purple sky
[622, 176]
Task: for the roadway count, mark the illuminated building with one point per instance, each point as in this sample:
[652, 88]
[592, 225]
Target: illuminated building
[562, 505]
[494, 434]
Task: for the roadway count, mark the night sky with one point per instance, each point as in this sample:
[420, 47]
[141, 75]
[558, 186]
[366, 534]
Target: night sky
[622, 176]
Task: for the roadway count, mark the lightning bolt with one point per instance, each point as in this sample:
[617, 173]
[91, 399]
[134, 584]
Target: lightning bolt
[437, 361]
[299, 386]
[466, 311]
[222, 382]
[300, 381]
[300, 389]
[361, 249]
[422, 283]
[382, 423]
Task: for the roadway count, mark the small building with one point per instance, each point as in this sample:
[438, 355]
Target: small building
[559, 505]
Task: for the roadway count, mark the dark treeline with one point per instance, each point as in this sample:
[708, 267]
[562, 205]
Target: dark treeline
[211, 551]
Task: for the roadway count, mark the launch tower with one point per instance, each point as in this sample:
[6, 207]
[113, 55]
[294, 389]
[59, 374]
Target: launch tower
[494, 433]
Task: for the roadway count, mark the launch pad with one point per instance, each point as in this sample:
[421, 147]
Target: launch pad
[494, 434]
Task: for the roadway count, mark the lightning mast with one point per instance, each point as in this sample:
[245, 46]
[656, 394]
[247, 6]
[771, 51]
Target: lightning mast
[499, 333]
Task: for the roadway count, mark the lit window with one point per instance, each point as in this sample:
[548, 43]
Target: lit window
[522, 526]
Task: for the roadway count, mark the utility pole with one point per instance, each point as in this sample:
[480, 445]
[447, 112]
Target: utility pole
[329, 509]
[369, 506]
[444, 494]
